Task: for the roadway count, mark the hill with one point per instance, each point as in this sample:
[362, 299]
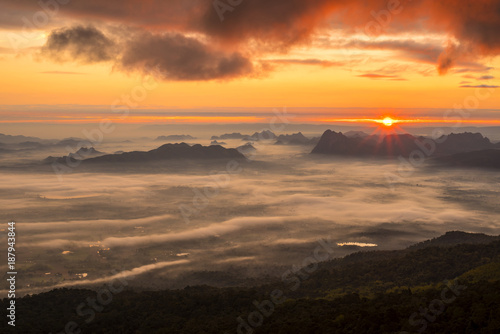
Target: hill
[171, 152]
[482, 159]
[457, 288]
[393, 145]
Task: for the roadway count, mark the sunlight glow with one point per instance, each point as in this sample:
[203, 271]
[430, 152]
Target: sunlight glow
[388, 121]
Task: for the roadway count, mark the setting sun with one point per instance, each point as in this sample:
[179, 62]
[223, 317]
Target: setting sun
[388, 121]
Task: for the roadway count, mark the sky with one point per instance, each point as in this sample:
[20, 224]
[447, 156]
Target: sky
[233, 61]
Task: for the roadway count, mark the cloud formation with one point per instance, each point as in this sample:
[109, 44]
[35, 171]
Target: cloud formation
[182, 58]
[171, 56]
[79, 43]
[229, 46]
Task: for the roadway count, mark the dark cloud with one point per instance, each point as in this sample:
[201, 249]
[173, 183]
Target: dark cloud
[421, 52]
[178, 57]
[259, 25]
[171, 56]
[83, 44]
[486, 77]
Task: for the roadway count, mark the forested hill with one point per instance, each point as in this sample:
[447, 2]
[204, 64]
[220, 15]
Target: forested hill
[437, 287]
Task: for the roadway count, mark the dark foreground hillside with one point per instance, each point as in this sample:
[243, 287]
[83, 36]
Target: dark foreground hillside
[437, 287]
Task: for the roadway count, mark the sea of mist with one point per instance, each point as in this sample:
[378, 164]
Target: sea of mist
[181, 223]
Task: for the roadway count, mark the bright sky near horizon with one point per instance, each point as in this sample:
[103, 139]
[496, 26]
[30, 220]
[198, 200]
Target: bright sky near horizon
[205, 61]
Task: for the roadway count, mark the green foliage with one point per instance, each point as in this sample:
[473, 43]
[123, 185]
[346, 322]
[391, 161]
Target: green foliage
[373, 292]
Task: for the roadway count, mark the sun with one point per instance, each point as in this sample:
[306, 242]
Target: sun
[388, 121]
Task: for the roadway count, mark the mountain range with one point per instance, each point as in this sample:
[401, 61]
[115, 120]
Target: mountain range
[393, 145]
[171, 152]
[296, 139]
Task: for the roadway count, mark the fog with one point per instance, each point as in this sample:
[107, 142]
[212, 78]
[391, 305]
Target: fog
[178, 223]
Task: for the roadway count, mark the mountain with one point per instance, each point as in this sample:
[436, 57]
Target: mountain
[8, 139]
[462, 142]
[482, 159]
[248, 148]
[399, 144]
[82, 154]
[215, 142]
[174, 138]
[234, 135]
[296, 139]
[263, 135]
[454, 238]
[356, 134]
[170, 152]
[332, 142]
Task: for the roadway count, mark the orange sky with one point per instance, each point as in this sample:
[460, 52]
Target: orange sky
[369, 75]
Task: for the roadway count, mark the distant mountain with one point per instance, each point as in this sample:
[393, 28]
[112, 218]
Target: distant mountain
[73, 143]
[332, 142]
[171, 152]
[82, 154]
[174, 138]
[296, 139]
[482, 159]
[454, 238]
[215, 142]
[28, 145]
[234, 135]
[356, 134]
[399, 144]
[263, 135]
[462, 142]
[8, 139]
[248, 148]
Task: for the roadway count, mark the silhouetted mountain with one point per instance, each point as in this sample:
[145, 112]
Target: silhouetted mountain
[39, 144]
[462, 142]
[356, 134]
[82, 154]
[482, 159]
[248, 148]
[215, 142]
[296, 139]
[8, 139]
[400, 144]
[28, 145]
[171, 151]
[263, 135]
[234, 135]
[453, 238]
[332, 142]
[174, 138]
